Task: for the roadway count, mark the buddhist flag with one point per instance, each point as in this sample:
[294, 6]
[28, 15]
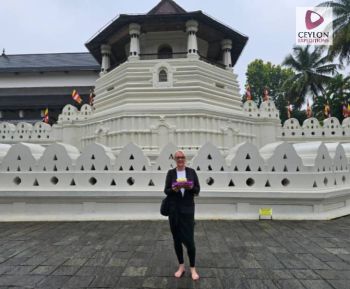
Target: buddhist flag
[76, 97]
[289, 110]
[248, 93]
[266, 96]
[327, 110]
[46, 116]
[345, 110]
[91, 97]
[308, 110]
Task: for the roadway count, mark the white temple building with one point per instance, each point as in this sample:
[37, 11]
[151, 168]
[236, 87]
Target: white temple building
[167, 82]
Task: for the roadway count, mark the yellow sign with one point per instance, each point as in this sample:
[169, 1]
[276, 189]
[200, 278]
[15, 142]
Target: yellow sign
[265, 212]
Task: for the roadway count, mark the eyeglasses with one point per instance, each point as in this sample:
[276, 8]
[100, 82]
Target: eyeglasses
[179, 158]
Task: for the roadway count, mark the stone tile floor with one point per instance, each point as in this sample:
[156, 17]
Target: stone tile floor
[139, 254]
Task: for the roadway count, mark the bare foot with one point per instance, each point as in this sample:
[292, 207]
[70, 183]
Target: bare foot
[180, 271]
[194, 274]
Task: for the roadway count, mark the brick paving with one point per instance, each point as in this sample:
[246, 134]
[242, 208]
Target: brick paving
[139, 254]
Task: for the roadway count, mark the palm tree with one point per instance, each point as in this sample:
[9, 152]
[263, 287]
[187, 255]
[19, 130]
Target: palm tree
[312, 73]
[341, 27]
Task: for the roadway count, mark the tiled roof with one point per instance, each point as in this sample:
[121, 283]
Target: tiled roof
[48, 62]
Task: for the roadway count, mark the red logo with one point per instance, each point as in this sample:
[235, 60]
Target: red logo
[312, 24]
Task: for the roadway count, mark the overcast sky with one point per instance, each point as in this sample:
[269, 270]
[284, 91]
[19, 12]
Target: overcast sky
[46, 26]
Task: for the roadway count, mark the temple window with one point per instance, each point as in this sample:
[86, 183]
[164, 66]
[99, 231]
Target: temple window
[163, 76]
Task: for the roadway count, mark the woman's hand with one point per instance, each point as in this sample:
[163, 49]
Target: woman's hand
[188, 186]
[175, 188]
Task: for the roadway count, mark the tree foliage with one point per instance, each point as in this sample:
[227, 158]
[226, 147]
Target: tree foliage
[260, 75]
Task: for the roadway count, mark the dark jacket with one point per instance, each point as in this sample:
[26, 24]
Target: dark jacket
[183, 204]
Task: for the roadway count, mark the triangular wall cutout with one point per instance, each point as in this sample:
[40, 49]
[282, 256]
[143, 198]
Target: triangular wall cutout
[36, 183]
[151, 183]
[231, 184]
[72, 183]
[113, 183]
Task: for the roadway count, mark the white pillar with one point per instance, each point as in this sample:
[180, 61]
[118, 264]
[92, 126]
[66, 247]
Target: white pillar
[226, 46]
[106, 61]
[192, 45]
[134, 32]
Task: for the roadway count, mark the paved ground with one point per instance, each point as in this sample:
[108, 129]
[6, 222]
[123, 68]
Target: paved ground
[231, 254]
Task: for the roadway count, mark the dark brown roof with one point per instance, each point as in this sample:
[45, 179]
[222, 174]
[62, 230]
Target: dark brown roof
[210, 30]
[166, 7]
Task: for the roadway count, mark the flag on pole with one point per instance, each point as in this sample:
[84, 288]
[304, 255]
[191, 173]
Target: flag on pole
[266, 96]
[46, 116]
[76, 96]
[91, 97]
[248, 93]
[289, 110]
[308, 110]
[345, 110]
[327, 110]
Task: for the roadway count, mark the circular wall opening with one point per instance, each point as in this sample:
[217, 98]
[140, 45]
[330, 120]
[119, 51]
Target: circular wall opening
[285, 182]
[17, 180]
[210, 181]
[130, 181]
[54, 180]
[92, 181]
[250, 182]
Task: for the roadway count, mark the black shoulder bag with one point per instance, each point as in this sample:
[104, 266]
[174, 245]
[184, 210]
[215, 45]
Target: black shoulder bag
[165, 207]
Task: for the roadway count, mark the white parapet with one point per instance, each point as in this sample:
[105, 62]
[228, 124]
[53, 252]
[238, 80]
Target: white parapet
[297, 181]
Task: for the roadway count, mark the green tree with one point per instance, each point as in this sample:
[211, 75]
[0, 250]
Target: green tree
[312, 72]
[341, 27]
[337, 94]
[260, 75]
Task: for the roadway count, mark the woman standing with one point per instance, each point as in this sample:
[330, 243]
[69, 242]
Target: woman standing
[182, 207]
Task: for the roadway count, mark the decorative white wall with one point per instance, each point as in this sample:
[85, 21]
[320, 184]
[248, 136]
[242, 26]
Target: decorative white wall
[60, 183]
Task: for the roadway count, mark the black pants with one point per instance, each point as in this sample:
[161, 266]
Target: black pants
[182, 229]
